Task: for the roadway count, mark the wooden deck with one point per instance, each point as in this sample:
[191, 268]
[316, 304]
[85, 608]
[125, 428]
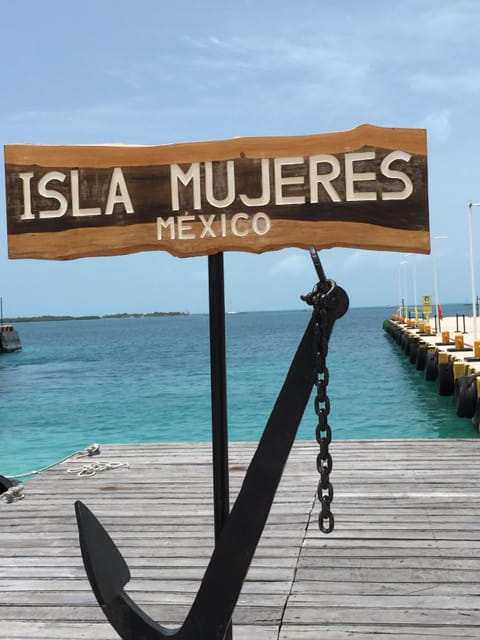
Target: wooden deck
[402, 563]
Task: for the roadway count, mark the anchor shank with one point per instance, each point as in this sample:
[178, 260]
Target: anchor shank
[212, 610]
[225, 574]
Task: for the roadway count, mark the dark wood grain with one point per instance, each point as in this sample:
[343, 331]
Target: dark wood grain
[354, 207]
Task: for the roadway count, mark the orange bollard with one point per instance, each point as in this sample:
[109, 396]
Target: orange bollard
[458, 341]
[445, 337]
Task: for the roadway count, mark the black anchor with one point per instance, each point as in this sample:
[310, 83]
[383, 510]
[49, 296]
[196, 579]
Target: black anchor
[211, 612]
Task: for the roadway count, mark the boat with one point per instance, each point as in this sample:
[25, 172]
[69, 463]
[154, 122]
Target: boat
[9, 338]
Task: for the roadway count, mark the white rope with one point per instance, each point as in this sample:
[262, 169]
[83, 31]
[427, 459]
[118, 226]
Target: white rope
[95, 467]
[16, 492]
[13, 494]
[92, 450]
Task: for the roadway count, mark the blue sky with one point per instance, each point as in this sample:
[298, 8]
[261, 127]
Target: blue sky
[154, 72]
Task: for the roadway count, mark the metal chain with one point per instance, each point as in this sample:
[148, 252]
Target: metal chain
[329, 303]
[323, 431]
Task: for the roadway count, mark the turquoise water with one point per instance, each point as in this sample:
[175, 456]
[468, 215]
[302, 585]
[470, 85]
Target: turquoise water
[148, 379]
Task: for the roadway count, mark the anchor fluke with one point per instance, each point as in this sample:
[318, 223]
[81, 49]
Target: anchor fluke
[108, 573]
[106, 569]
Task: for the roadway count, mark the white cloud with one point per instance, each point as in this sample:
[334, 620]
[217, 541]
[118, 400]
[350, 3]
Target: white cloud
[115, 122]
[199, 275]
[292, 264]
[438, 125]
[453, 82]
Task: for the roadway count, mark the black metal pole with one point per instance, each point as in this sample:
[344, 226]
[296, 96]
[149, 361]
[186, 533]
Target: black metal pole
[218, 377]
[218, 373]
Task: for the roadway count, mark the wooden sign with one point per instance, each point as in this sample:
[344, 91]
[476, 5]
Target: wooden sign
[364, 188]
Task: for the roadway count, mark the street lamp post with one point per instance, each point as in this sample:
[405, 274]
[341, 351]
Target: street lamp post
[472, 268]
[414, 273]
[403, 263]
[435, 281]
[400, 290]
[415, 287]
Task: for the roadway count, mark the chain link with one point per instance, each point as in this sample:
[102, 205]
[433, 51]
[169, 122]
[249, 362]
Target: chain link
[329, 303]
[323, 431]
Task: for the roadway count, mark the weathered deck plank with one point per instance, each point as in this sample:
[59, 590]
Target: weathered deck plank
[403, 561]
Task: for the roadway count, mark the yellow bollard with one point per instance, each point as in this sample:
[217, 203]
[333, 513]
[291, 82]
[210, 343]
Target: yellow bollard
[427, 329]
[476, 348]
[459, 369]
[443, 357]
[445, 337]
[458, 341]
[421, 326]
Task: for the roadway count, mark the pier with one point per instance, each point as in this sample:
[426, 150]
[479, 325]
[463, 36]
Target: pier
[402, 563]
[449, 357]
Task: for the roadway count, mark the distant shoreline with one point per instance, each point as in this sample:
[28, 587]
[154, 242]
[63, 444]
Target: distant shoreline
[153, 314]
[161, 314]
